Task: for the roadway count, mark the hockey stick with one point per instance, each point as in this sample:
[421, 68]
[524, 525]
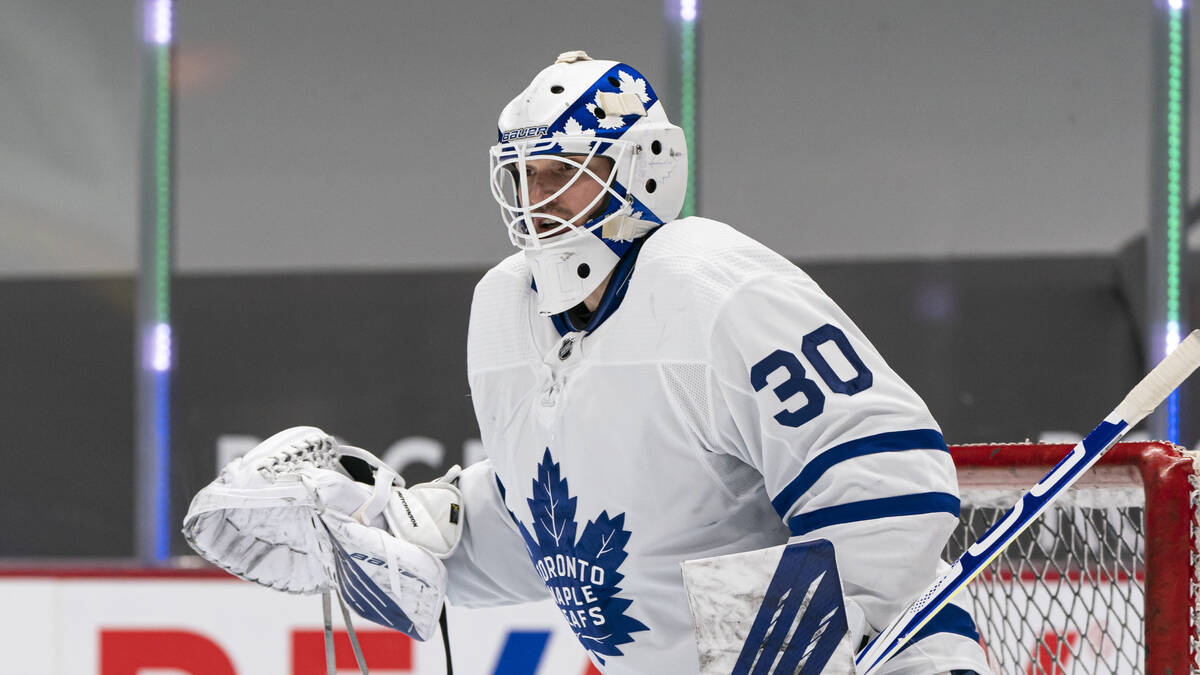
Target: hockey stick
[1139, 402]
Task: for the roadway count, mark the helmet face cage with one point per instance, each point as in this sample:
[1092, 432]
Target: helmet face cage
[550, 141]
[511, 190]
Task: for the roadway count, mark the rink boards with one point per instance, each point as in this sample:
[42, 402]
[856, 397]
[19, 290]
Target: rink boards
[203, 624]
[221, 626]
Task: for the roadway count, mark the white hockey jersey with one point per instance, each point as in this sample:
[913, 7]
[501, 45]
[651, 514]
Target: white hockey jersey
[727, 405]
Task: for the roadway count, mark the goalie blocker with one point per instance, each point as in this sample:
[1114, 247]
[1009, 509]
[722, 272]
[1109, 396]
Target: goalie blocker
[775, 610]
[290, 515]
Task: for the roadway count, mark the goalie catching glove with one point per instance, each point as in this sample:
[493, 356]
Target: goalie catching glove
[290, 515]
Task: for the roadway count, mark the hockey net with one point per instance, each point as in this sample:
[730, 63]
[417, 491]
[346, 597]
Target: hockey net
[1105, 581]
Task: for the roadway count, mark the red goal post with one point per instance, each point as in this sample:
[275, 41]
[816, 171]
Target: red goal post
[1106, 580]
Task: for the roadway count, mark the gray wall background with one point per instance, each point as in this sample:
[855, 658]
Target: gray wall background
[353, 135]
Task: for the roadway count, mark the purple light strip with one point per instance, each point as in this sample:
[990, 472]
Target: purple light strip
[161, 14]
[161, 351]
[687, 9]
[1172, 336]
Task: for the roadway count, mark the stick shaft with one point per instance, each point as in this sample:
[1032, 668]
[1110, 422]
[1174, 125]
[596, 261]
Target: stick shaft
[1140, 401]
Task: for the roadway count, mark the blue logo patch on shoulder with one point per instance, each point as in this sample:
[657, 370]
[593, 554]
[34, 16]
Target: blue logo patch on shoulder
[802, 618]
[580, 573]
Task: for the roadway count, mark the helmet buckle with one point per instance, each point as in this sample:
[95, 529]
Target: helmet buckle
[625, 228]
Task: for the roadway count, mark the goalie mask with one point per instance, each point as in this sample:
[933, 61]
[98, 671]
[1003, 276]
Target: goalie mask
[587, 162]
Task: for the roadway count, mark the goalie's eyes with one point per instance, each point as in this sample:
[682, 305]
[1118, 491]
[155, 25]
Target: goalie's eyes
[558, 169]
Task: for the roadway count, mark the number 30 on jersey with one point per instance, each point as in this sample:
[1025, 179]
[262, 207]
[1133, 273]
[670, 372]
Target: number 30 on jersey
[798, 381]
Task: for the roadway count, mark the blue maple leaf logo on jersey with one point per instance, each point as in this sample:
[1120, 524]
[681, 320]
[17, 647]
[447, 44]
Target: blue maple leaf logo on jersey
[580, 573]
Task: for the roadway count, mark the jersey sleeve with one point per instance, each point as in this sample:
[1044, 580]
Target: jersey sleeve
[848, 452]
[490, 566]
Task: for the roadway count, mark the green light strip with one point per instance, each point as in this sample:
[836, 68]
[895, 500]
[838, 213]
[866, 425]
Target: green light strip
[687, 104]
[162, 185]
[1175, 122]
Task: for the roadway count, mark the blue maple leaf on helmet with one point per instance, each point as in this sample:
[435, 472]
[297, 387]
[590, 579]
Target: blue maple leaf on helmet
[582, 574]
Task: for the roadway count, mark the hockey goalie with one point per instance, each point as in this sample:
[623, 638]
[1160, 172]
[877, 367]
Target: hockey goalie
[659, 399]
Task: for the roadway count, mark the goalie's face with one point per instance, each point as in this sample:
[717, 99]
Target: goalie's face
[571, 187]
[542, 196]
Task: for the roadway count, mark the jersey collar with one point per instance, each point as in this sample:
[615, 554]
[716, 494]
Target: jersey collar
[613, 294]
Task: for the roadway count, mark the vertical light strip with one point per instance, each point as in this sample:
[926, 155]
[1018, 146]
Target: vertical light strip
[162, 275]
[1175, 206]
[688, 17]
[154, 288]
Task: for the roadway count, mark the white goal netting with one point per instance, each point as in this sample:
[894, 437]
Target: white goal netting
[1095, 585]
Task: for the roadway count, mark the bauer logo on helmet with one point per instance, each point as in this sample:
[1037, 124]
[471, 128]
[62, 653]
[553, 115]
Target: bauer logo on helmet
[526, 132]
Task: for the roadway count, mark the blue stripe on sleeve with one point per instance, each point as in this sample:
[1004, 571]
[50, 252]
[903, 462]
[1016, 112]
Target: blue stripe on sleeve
[893, 441]
[871, 509]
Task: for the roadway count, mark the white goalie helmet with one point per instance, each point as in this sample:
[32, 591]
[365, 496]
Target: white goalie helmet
[594, 128]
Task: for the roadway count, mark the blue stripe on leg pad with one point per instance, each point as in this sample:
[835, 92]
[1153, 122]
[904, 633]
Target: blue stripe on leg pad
[802, 615]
